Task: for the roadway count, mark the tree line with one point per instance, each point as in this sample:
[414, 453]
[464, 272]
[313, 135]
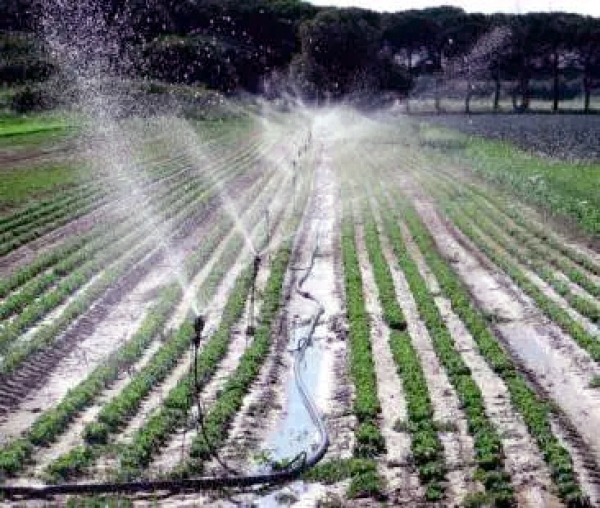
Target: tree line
[276, 46]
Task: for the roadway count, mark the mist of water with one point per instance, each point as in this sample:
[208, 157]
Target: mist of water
[91, 46]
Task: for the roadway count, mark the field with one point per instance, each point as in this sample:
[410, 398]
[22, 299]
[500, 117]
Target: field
[437, 293]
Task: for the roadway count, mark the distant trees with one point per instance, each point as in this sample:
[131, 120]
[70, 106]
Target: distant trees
[587, 44]
[231, 45]
[339, 51]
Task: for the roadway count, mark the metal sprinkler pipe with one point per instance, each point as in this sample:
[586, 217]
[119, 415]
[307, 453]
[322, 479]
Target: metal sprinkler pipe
[251, 329]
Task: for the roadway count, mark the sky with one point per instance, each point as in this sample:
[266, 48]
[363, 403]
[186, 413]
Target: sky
[588, 7]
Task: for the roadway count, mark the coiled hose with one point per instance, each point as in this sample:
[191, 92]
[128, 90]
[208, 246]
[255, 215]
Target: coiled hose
[291, 471]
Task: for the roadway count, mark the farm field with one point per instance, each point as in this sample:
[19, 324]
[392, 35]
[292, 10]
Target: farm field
[438, 295]
[563, 136]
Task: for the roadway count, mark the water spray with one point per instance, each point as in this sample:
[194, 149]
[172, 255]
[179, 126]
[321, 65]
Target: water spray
[267, 228]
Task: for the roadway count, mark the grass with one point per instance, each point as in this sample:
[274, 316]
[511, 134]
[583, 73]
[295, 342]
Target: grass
[21, 185]
[566, 189]
[14, 125]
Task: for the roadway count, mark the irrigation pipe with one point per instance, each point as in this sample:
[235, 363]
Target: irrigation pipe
[300, 464]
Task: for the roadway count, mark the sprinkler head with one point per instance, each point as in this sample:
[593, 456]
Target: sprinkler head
[256, 263]
[199, 323]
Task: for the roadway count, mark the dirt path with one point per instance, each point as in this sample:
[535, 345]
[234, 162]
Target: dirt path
[325, 370]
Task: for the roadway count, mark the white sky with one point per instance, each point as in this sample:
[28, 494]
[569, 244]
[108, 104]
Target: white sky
[589, 7]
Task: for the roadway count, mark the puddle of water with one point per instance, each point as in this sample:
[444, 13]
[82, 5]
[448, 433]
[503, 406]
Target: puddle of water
[296, 432]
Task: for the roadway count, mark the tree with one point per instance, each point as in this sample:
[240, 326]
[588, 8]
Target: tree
[410, 33]
[340, 50]
[587, 43]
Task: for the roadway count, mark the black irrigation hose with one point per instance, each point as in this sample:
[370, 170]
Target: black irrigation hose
[300, 464]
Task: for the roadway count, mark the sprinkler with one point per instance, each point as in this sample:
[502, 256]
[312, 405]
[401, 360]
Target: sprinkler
[199, 324]
[250, 330]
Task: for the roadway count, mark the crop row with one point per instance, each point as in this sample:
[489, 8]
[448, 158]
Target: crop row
[120, 409]
[501, 258]
[65, 215]
[535, 411]
[540, 249]
[497, 205]
[536, 259]
[532, 249]
[84, 248]
[90, 198]
[37, 212]
[36, 308]
[34, 303]
[53, 422]
[149, 438]
[95, 239]
[15, 455]
[174, 210]
[366, 407]
[218, 419]
[489, 452]
[116, 413]
[426, 446]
